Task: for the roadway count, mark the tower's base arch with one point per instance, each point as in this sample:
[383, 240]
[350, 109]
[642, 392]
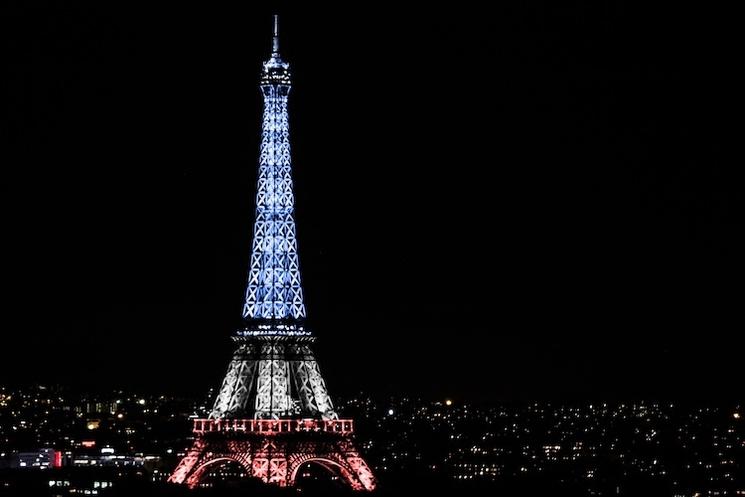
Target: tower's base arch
[274, 456]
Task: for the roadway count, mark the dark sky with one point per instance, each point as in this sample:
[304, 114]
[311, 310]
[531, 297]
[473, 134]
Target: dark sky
[532, 202]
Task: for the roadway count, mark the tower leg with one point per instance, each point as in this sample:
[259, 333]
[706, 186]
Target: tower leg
[275, 459]
[362, 472]
[187, 464]
[278, 471]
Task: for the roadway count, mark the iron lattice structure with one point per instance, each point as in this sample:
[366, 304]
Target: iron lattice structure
[273, 412]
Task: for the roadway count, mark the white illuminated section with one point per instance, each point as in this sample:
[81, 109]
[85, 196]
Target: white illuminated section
[290, 330]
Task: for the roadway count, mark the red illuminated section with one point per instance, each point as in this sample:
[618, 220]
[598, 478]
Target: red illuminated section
[274, 426]
[273, 450]
[57, 459]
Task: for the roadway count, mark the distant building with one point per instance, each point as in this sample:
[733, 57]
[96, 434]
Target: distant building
[93, 407]
[41, 459]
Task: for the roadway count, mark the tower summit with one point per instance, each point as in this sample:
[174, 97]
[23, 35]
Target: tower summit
[275, 37]
[273, 413]
[274, 292]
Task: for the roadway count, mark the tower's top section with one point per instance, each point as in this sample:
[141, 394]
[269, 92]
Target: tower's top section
[274, 294]
[275, 37]
[275, 70]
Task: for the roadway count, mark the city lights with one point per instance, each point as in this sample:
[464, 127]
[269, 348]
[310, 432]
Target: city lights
[690, 449]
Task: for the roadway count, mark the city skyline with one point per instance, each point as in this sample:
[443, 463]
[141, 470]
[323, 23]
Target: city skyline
[584, 448]
[571, 207]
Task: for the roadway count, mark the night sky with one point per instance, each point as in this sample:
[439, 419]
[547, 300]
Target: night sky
[527, 203]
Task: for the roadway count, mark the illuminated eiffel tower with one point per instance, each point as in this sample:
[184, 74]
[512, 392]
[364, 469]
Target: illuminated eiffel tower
[273, 413]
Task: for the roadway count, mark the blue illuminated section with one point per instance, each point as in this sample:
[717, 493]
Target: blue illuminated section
[274, 291]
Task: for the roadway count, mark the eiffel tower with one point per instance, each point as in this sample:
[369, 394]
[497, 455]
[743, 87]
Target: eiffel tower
[273, 413]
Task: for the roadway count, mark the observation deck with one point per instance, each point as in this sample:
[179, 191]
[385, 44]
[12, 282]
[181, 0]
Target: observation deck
[273, 426]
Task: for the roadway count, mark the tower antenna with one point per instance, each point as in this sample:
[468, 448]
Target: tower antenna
[275, 37]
